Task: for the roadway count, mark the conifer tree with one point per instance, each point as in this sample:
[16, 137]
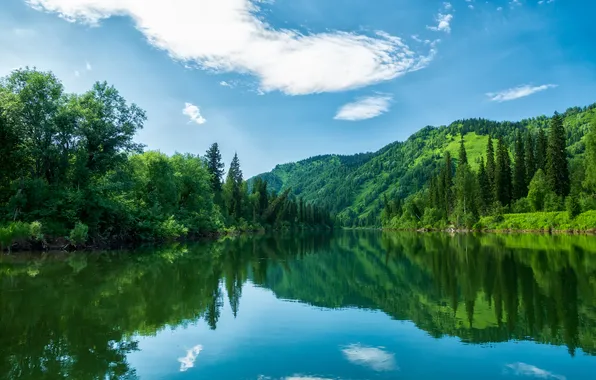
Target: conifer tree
[590, 181]
[233, 188]
[541, 144]
[215, 166]
[557, 167]
[463, 155]
[530, 157]
[503, 188]
[520, 186]
[446, 184]
[486, 193]
[490, 165]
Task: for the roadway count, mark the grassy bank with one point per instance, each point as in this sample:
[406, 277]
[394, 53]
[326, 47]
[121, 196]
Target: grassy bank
[540, 221]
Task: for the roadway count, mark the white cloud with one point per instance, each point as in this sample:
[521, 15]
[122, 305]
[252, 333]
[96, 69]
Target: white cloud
[364, 108]
[517, 92]
[443, 23]
[447, 5]
[523, 369]
[88, 66]
[514, 3]
[225, 84]
[499, 8]
[194, 113]
[305, 378]
[231, 36]
[470, 6]
[77, 73]
[372, 357]
[188, 361]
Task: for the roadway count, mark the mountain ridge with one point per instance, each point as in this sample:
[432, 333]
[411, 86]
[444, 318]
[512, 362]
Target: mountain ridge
[353, 186]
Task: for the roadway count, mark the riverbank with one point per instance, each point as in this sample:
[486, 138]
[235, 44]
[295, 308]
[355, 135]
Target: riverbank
[28, 237]
[536, 222]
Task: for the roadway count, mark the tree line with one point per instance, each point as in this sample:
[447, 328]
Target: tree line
[536, 176]
[70, 168]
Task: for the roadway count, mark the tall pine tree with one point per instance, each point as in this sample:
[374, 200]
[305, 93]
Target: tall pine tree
[590, 181]
[491, 169]
[233, 188]
[520, 186]
[530, 157]
[503, 188]
[463, 155]
[541, 144]
[215, 166]
[486, 193]
[446, 182]
[557, 167]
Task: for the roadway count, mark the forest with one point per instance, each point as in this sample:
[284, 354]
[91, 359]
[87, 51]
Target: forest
[72, 175]
[536, 180]
[535, 174]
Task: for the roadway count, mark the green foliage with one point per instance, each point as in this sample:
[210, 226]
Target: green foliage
[557, 166]
[70, 159]
[590, 181]
[538, 191]
[79, 234]
[572, 206]
[18, 232]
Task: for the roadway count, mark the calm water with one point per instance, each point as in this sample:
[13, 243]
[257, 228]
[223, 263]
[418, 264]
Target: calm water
[356, 305]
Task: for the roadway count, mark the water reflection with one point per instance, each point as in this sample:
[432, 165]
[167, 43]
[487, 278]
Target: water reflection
[80, 316]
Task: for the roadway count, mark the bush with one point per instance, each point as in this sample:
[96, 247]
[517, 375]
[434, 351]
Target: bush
[521, 206]
[18, 232]
[78, 235]
[552, 202]
[573, 207]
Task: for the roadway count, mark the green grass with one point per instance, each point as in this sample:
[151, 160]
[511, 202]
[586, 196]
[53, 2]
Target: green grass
[541, 221]
[475, 147]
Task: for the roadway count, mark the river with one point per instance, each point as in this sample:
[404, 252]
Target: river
[345, 306]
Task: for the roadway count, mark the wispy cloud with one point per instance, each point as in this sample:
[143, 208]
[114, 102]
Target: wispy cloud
[523, 369]
[364, 108]
[231, 36]
[443, 23]
[517, 92]
[225, 84]
[77, 73]
[373, 357]
[194, 113]
[188, 361]
[443, 20]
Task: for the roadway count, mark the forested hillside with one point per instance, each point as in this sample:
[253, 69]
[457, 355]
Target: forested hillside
[357, 188]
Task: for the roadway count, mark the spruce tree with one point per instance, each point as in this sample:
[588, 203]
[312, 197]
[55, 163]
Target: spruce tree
[557, 167]
[520, 186]
[503, 186]
[446, 184]
[590, 160]
[530, 157]
[486, 193]
[490, 164]
[541, 144]
[463, 155]
[215, 166]
[233, 188]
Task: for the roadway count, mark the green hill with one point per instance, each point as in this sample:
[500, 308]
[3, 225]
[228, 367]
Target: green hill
[353, 186]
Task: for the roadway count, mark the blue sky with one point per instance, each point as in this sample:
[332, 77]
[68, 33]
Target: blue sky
[282, 80]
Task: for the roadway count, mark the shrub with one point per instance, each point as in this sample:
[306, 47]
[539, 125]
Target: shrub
[78, 235]
[573, 207]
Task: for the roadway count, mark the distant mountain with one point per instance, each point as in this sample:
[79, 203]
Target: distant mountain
[353, 186]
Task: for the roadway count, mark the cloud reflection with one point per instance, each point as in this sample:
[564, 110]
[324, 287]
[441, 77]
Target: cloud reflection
[523, 369]
[188, 361]
[372, 357]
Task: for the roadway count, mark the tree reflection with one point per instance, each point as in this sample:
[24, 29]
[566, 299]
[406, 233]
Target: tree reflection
[78, 316]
